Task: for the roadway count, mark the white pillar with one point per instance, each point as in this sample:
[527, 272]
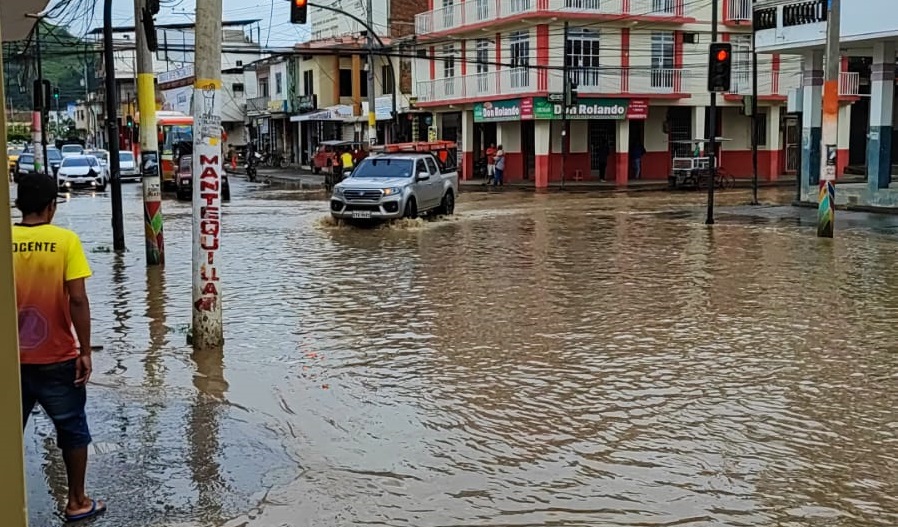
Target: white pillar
[542, 141]
[621, 153]
[698, 124]
[467, 143]
[879, 136]
[811, 122]
[774, 141]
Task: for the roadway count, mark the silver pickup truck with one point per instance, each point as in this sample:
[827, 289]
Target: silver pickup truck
[391, 186]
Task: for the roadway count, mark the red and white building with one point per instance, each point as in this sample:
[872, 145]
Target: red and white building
[486, 69]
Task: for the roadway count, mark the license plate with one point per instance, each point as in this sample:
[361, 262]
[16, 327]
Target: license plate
[361, 214]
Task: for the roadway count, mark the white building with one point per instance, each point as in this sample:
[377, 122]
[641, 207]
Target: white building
[486, 70]
[868, 36]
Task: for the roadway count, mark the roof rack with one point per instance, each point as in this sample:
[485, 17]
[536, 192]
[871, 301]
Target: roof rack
[419, 146]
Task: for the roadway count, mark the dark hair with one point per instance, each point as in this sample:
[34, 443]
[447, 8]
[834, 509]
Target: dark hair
[35, 193]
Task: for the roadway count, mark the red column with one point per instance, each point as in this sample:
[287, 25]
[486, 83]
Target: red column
[625, 60]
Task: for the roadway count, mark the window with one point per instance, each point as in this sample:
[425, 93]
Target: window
[741, 63]
[520, 59]
[263, 87]
[520, 6]
[583, 4]
[762, 129]
[448, 14]
[419, 167]
[386, 79]
[663, 6]
[432, 166]
[482, 57]
[237, 87]
[449, 68]
[239, 64]
[308, 82]
[662, 59]
[278, 83]
[483, 9]
[582, 54]
[346, 83]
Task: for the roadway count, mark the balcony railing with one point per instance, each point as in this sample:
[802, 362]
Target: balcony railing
[768, 83]
[257, 104]
[472, 12]
[810, 12]
[590, 81]
[849, 84]
[739, 11]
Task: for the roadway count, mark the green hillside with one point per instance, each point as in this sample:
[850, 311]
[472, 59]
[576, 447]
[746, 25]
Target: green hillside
[65, 58]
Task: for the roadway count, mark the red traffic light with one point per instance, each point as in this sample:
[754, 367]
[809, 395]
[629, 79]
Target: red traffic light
[300, 3]
[722, 54]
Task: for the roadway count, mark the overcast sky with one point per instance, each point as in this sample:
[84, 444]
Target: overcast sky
[274, 16]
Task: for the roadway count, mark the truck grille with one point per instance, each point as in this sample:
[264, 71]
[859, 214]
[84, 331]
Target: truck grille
[360, 194]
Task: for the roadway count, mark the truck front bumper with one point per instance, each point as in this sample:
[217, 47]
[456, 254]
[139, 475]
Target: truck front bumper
[384, 209]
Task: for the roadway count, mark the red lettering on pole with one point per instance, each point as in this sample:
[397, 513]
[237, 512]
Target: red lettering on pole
[204, 304]
[209, 243]
[210, 197]
[209, 173]
[209, 185]
[208, 161]
[210, 227]
[209, 277]
[209, 289]
[210, 258]
[209, 213]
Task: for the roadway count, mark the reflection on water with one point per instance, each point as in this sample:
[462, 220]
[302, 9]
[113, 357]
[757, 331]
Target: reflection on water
[537, 360]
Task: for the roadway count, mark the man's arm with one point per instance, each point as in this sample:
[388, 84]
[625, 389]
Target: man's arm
[79, 306]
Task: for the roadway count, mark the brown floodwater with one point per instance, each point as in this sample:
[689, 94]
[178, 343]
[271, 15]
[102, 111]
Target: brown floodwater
[562, 359]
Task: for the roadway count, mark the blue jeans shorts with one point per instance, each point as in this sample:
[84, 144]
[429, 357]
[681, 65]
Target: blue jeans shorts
[53, 387]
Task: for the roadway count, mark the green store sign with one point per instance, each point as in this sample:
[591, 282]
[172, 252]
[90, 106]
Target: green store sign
[496, 111]
[612, 109]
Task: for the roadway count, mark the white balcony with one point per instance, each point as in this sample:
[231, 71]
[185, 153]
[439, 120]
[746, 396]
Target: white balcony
[799, 25]
[849, 84]
[738, 11]
[768, 83]
[530, 81]
[484, 12]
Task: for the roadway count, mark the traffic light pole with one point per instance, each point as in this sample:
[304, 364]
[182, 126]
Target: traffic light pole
[42, 117]
[712, 129]
[826, 203]
[149, 142]
[118, 227]
[754, 114]
[565, 124]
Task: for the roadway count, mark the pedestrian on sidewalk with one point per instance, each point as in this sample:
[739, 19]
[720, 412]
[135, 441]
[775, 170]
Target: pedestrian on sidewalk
[490, 163]
[500, 167]
[636, 153]
[232, 156]
[602, 152]
[51, 269]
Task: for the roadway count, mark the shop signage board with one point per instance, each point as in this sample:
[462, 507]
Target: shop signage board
[507, 110]
[586, 108]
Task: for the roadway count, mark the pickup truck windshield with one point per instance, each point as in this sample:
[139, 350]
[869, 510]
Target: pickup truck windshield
[385, 168]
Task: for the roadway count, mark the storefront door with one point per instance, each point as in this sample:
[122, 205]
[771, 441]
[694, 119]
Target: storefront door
[528, 147]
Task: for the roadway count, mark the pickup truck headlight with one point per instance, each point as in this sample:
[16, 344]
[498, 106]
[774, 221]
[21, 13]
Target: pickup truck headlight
[338, 192]
[392, 191]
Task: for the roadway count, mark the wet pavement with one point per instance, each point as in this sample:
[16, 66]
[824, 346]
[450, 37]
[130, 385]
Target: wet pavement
[587, 359]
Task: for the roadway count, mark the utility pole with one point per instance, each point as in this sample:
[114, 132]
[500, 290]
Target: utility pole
[754, 111]
[207, 166]
[12, 464]
[118, 224]
[565, 124]
[41, 117]
[372, 97]
[712, 129]
[826, 206]
[149, 141]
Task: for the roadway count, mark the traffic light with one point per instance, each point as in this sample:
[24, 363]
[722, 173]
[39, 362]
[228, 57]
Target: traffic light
[299, 11]
[720, 66]
[129, 121]
[56, 93]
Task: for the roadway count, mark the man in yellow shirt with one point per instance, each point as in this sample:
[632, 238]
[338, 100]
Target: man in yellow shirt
[51, 268]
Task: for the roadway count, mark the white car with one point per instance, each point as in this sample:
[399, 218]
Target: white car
[81, 172]
[71, 150]
[128, 167]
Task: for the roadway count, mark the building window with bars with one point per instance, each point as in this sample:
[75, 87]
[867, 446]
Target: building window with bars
[582, 56]
[662, 74]
[481, 58]
[519, 49]
[449, 69]
[387, 81]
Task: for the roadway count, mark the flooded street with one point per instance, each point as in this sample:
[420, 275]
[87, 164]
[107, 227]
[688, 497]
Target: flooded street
[581, 359]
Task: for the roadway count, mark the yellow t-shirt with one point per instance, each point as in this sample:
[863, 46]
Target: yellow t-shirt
[45, 257]
[346, 160]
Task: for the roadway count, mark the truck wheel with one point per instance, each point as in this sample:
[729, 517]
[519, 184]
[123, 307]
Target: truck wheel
[447, 206]
[411, 209]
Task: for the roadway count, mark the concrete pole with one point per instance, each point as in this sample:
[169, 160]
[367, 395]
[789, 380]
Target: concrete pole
[149, 144]
[826, 208]
[712, 130]
[12, 464]
[118, 221]
[207, 167]
[372, 97]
